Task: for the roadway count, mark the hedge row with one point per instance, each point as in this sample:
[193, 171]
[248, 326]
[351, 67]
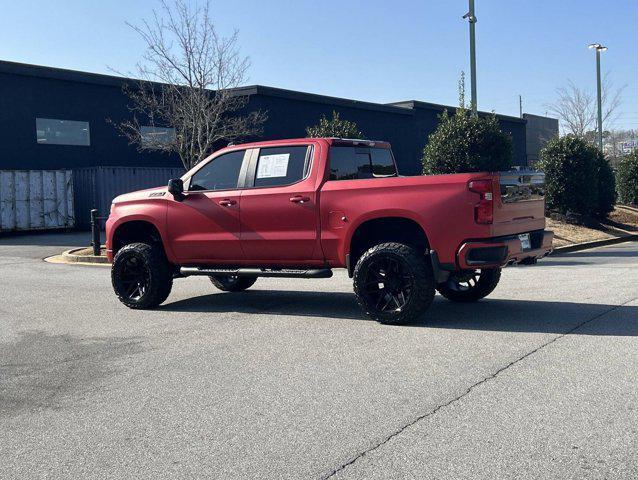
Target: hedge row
[627, 178]
[578, 178]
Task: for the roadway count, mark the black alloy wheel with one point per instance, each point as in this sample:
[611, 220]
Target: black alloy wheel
[135, 279]
[141, 275]
[388, 284]
[470, 285]
[232, 283]
[394, 283]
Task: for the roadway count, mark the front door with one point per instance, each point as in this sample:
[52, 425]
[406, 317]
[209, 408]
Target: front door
[279, 207]
[204, 226]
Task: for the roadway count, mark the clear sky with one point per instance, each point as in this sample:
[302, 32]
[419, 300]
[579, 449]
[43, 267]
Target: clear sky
[372, 50]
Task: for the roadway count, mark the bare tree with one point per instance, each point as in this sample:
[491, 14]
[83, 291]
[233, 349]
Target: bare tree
[577, 109]
[189, 76]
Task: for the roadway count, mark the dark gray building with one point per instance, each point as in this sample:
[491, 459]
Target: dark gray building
[53, 118]
[538, 131]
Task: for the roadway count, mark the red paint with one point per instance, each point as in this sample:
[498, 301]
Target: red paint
[312, 222]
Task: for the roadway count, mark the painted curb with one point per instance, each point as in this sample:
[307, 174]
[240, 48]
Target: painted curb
[60, 260]
[594, 244]
[70, 257]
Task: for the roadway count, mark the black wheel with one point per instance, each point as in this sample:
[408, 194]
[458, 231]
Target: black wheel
[233, 283]
[394, 283]
[141, 276]
[470, 285]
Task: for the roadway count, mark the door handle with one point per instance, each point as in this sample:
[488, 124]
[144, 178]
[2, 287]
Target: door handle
[299, 199]
[226, 202]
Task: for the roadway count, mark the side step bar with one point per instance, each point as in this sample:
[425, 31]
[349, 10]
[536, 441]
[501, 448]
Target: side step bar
[256, 272]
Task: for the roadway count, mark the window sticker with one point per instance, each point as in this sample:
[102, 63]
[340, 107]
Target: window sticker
[271, 166]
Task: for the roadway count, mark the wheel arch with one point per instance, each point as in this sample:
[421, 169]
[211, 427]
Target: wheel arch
[133, 230]
[391, 226]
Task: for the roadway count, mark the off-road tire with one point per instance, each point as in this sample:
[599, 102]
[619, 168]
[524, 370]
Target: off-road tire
[487, 281]
[412, 264]
[153, 262]
[233, 284]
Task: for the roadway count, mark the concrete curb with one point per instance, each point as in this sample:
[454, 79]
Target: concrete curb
[594, 244]
[70, 257]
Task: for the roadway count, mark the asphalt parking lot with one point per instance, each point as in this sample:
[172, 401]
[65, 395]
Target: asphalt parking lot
[289, 380]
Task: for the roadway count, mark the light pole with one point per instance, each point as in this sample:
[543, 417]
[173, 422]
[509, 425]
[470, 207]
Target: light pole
[471, 18]
[599, 48]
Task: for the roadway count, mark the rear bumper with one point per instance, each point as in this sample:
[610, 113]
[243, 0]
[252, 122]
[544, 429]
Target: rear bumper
[500, 251]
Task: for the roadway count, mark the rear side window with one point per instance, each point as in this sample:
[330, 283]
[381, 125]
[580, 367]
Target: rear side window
[221, 173]
[281, 165]
[349, 163]
[382, 162]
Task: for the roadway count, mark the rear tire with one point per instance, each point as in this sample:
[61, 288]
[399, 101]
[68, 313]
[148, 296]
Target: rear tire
[141, 275]
[470, 286]
[230, 283]
[394, 283]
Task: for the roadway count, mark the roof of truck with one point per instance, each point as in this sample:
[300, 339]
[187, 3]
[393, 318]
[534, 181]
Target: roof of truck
[329, 140]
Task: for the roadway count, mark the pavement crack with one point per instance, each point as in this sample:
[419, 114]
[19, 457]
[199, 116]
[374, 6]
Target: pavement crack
[400, 430]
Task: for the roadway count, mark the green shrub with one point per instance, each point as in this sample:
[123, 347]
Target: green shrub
[606, 186]
[464, 142]
[334, 127]
[578, 178]
[627, 178]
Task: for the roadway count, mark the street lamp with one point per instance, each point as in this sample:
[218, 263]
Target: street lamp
[599, 48]
[471, 18]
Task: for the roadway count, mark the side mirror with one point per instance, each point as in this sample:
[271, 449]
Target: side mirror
[176, 188]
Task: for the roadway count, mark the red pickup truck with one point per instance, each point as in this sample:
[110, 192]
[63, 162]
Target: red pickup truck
[302, 207]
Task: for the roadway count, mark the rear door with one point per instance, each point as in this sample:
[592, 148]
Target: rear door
[279, 212]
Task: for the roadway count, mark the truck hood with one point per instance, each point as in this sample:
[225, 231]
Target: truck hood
[141, 195]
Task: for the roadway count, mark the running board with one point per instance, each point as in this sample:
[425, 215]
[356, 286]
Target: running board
[256, 272]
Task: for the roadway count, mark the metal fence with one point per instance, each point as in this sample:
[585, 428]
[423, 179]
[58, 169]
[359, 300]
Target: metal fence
[96, 187]
[36, 200]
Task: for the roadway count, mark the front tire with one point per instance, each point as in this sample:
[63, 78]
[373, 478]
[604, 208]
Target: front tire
[232, 283]
[394, 283]
[141, 276]
[470, 286]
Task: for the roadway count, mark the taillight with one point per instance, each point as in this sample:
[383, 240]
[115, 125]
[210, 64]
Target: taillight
[484, 209]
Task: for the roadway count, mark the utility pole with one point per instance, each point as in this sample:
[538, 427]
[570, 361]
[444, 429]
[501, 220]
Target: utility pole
[520, 105]
[599, 48]
[471, 18]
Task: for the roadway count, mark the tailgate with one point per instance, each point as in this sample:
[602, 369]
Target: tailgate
[520, 207]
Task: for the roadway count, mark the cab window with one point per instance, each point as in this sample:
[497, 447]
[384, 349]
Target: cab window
[221, 173]
[280, 166]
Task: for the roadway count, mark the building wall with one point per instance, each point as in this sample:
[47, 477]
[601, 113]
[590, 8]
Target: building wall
[539, 130]
[23, 98]
[406, 125]
[96, 187]
[289, 117]
[427, 119]
[28, 91]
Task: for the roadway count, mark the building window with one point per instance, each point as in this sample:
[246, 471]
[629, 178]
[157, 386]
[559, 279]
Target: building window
[156, 137]
[62, 132]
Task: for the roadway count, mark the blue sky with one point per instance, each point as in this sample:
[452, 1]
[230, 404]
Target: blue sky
[372, 50]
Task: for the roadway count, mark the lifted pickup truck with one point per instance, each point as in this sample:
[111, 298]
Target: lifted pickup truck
[302, 207]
